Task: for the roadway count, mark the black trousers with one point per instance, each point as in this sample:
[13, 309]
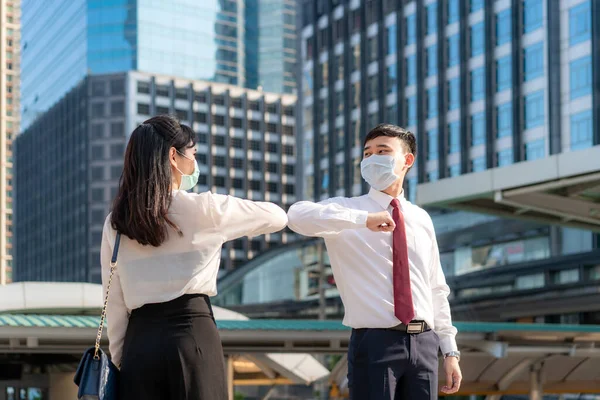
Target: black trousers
[385, 364]
[172, 351]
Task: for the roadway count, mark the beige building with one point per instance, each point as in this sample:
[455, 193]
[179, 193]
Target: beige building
[10, 35]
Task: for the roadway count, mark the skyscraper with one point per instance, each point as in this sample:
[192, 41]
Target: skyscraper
[64, 40]
[277, 45]
[246, 148]
[498, 93]
[10, 15]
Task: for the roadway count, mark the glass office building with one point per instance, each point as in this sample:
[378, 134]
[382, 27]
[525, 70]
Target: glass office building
[63, 41]
[246, 148]
[486, 86]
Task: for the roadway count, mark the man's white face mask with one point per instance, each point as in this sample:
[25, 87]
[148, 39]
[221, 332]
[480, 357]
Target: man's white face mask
[378, 171]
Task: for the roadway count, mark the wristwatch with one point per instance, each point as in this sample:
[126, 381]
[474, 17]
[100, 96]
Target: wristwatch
[453, 354]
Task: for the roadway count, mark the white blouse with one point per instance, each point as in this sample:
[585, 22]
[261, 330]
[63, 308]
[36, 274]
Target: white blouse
[182, 264]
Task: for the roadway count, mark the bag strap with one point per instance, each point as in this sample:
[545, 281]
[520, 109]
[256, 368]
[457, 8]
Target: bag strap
[113, 266]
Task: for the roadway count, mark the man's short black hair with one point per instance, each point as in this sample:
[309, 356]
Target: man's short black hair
[407, 137]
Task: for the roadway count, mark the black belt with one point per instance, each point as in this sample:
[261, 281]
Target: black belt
[412, 327]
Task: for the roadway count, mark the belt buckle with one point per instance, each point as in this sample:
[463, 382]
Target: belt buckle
[415, 327]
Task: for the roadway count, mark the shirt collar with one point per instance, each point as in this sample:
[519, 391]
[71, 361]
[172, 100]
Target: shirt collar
[384, 199]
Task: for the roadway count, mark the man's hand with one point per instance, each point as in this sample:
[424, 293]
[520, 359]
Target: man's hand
[453, 375]
[380, 222]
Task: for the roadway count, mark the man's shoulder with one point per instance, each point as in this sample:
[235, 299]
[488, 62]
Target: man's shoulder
[420, 213]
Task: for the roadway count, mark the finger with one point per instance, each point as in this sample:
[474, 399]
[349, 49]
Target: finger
[449, 381]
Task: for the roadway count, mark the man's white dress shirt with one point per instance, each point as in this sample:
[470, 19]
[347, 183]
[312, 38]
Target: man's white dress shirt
[181, 265]
[362, 261]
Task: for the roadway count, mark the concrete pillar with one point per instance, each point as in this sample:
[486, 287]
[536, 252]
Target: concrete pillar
[536, 389]
[230, 376]
[61, 386]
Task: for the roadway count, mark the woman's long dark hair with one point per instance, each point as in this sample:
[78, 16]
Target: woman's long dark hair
[142, 203]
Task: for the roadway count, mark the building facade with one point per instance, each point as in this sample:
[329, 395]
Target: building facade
[484, 85]
[277, 45]
[481, 83]
[246, 142]
[10, 64]
[216, 40]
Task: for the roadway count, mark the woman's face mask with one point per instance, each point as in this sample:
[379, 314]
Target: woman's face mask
[189, 181]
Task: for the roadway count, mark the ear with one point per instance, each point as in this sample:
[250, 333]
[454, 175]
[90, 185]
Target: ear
[410, 160]
[172, 153]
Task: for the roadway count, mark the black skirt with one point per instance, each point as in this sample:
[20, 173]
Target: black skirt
[172, 351]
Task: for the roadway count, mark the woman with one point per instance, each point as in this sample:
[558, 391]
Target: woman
[160, 323]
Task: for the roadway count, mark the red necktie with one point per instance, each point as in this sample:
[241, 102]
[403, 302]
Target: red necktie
[403, 304]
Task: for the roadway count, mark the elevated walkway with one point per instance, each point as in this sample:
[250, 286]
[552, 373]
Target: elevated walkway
[561, 189]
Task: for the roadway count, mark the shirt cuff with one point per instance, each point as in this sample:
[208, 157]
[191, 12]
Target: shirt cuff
[359, 217]
[448, 344]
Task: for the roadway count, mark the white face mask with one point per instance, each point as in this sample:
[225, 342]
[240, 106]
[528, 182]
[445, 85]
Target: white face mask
[378, 171]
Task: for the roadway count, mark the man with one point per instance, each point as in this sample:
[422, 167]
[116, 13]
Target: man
[386, 264]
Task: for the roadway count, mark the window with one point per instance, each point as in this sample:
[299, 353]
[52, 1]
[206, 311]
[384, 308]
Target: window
[454, 170]
[255, 186]
[476, 5]
[531, 281]
[117, 108]
[372, 49]
[373, 86]
[236, 102]
[505, 157]
[411, 70]
[454, 137]
[220, 161]
[504, 122]
[200, 117]
[117, 129]
[453, 94]
[478, 129]
[98, 88]
[237, 163]
[581, 130]
[535, 150]
[392, 81]
[432, 60]
[97, 173]
[219, 181]
[411, 29]
[219, 140]
[453, 50]
[432, 102]
[503, 27]
[237, 183]
[143, 87]
[478, 164]
[431, 18]
[219, 120]
[182, 115]
[97, 152]
[532, 15]
[433, 176]
[477, 39]
[97, 130]
[98, 195]
[255, 165]
[162, 90]
[117, 150]
[580, 23]
[391, 43]
[272, 187]
[534, 61]
[98, 109]
[477, 84]
[254, 125]
[411, 110]
[503, 73]
[115, 171]
[453, 11]
[272, 168]
[288, 188]
[288, 150]
[237, 143]
[271, 127]
[117, 87]
[272, 147]
[200, 97]
[255, 145]
[236, 122]
[534, 109]
[581, 77]
[202, 159]
[162, 110]
[432, 145]
[289, 169]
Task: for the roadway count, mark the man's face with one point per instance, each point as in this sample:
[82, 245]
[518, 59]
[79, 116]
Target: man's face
[390, 146]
